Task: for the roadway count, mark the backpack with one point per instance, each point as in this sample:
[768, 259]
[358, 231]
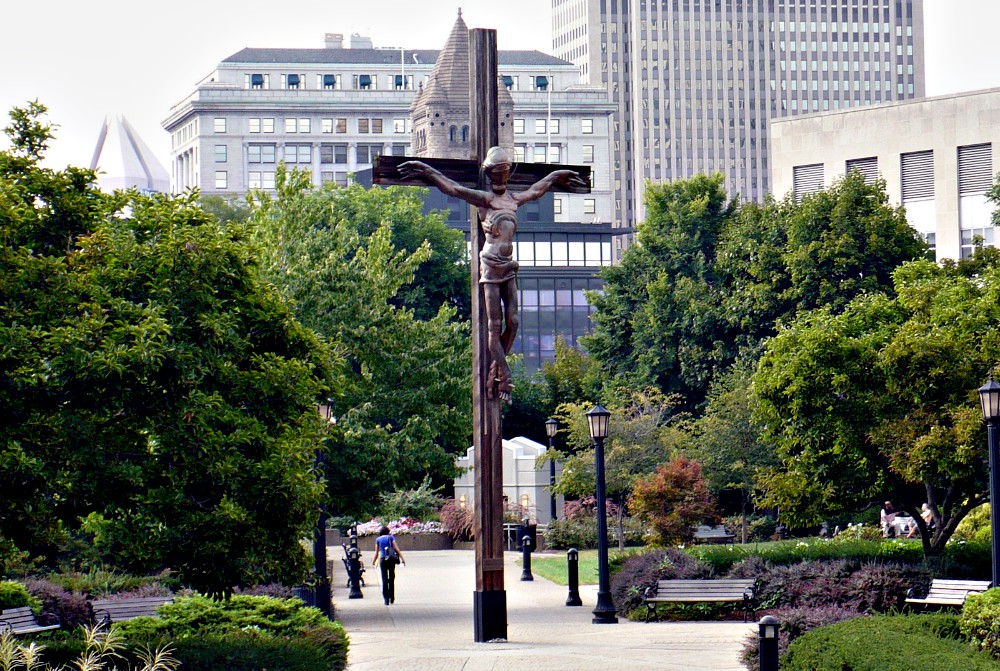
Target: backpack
[390, 554]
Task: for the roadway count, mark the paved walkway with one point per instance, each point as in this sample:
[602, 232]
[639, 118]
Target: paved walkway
[430, 626]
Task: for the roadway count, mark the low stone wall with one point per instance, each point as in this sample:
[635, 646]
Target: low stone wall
[417, 542]
[407, 542]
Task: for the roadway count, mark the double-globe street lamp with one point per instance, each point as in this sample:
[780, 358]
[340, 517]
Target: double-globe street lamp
[989, 397]
[604, 612]
[551, 427]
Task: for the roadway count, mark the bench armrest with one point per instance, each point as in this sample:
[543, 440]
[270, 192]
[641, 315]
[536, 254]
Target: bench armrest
[649, 592]
[917, 593]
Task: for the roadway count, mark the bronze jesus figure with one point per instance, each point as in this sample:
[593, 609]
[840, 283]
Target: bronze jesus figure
[498, 269]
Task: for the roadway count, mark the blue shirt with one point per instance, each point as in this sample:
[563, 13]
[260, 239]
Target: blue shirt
[383, 542]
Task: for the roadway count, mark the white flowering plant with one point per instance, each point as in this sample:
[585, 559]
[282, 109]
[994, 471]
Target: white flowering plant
[402, 526]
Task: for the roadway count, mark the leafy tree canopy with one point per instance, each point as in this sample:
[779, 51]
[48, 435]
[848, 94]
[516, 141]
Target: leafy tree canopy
[641, 436]
[710, 280]
[157, 393]
[404, 407]
[879, 402]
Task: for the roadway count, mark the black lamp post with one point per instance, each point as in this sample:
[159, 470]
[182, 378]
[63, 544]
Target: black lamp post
[551, 426]
[322, 590]
[604, 612]
[989, 396]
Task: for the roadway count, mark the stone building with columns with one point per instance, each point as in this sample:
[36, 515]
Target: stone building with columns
[332, 110]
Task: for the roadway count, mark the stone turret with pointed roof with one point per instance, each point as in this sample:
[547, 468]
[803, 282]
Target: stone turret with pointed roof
[440, 112]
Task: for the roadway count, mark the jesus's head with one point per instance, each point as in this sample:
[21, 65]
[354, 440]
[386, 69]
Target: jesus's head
[497, 166]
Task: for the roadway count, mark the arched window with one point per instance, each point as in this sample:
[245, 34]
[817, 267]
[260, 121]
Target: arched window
[451, 134]
[465, 134]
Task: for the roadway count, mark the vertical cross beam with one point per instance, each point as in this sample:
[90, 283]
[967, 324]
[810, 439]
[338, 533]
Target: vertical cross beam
[490, 598]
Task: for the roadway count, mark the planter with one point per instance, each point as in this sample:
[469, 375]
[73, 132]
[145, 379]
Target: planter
[407, 542]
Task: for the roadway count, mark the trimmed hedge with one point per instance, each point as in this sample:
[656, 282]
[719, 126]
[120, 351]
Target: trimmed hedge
[886, 643]
[980, 621]
[251, 651]
[960, 559]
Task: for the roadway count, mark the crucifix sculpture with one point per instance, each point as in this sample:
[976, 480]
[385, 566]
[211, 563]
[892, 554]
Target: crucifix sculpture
[495, 192]
[497, 267]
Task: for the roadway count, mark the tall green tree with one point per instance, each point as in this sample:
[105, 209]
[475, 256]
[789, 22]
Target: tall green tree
[726, 439]
[404, 407]
[658, 320]
[781, 258]
[879, 402]
[443, 277]
[157, 393]
[709, 280]
[641, 436]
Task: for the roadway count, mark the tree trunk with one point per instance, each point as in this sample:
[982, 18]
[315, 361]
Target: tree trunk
[745, 499]
[621, 527]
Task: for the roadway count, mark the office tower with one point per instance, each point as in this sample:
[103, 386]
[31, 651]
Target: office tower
[697, 82]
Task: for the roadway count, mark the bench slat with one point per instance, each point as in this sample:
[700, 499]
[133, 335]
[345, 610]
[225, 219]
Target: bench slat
[22, 621]
[700, 591]
[118, 610]
[943, 592]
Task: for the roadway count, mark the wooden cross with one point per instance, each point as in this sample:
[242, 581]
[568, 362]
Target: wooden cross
[490, 598]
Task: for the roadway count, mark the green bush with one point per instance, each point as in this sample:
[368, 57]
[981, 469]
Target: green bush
[975, 526]
[199, 617]
[421, 503]
[103, 582]
[980, 621]
[202, 615]
[886, 643]
[90, 648]
[960, 559]
[581, 533]
[15, 595]
[759, 527]
[251, 651]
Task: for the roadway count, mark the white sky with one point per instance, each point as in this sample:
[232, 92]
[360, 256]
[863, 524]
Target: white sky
[86, 61]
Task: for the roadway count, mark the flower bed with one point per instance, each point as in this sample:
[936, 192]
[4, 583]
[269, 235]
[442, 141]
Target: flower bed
[410, 535]
[400, 527]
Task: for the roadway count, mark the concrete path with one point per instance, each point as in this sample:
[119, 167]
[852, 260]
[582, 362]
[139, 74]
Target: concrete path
[430, 626]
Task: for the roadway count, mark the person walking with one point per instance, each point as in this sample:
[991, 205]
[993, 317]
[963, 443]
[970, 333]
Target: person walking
[387, 555]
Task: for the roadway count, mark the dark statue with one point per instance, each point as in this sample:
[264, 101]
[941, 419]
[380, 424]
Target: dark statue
[498, 269]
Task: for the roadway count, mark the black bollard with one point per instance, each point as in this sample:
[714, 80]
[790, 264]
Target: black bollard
[354, 572]
[573, 576]
[526, 559]
[768, 637]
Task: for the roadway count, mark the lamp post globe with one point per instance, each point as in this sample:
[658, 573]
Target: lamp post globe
[551, 427]
[604, 611]
[989, 398]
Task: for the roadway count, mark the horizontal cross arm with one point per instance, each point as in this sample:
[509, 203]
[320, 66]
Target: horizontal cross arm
[465, 172]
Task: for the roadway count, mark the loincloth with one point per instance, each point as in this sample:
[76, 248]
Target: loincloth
[494, 269]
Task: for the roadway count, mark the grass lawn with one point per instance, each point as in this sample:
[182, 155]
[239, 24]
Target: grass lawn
[553, 566]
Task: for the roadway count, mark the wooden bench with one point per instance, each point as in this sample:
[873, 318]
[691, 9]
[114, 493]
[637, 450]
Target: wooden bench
[717, 534]
[742, 591]
[22, 621]
[107, 611]
[946, 592]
